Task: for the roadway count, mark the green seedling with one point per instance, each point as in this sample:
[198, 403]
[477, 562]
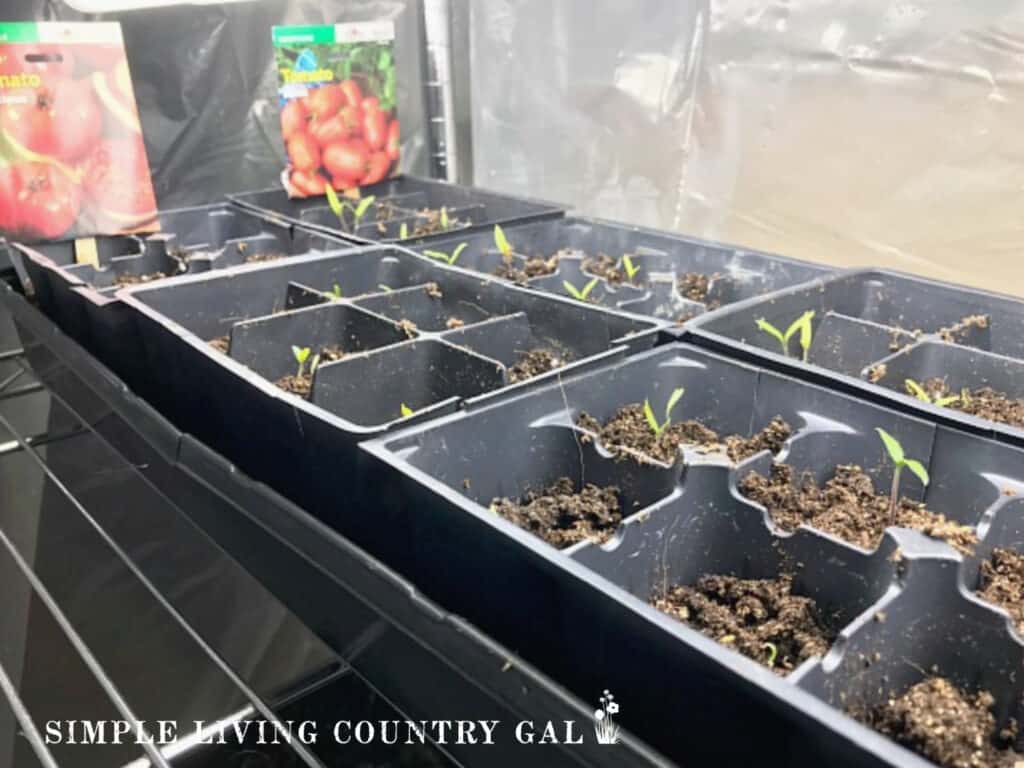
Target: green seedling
[406, 410]
[340, 207]
[301, 356]
[773, 654]
[336, 292]
[922, 394]
[502, 244]
[577, 293]
[385, 288]
[631, 268]
[445, 224]
[449, 259]
[403, 231]
[899, 460]
[652, 420]
[802, 325]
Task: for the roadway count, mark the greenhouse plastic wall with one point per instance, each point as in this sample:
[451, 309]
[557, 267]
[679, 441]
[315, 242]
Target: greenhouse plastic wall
[867, 132]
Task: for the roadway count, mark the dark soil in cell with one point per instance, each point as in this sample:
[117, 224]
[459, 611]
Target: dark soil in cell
[984, 402]
[945, 724]
[428, 221]
[612, 270]
[760, 618]
[221, 343]
[877, 372]
[301, 385]
[563, 517]
[536, 266]
[955, 334]
[534, 363]
[331, 354]
[1002, 583]
[627, 434]
[123, 280]
[847, 507]
[771, 438]
[694, 286]
[297, 385]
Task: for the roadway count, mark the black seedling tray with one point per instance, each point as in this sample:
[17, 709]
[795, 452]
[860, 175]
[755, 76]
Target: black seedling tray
[80, 297]
[408, 652]
[582, 614]
[662, 260]
[392, 323]
[399, 201]
[874, 329]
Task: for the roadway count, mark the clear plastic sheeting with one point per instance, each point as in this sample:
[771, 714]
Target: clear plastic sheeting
[852, 133]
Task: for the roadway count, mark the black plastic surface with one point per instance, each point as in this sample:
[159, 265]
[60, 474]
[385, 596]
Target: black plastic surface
[875, 329]
[398, 201]
[404, 651]
[689, 519]
[661, 260]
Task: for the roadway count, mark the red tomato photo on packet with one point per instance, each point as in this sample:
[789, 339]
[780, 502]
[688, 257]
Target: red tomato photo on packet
[337, 94]
[72, 159]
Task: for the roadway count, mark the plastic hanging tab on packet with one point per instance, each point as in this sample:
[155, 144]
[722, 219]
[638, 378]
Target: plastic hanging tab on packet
[337, 93]
[72, 158]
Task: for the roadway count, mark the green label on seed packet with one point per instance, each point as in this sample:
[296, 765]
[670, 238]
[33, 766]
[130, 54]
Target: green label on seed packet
[337, 93]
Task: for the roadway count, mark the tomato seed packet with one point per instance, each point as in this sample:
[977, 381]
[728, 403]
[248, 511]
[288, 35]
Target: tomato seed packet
[72, 160]
[337, 98]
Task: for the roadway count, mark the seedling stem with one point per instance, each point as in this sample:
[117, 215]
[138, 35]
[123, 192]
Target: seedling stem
[631, 268]
[899, 460]
[502, 244]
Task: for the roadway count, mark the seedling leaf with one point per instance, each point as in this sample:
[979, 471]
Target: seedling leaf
[313, 365]
[917, 390]
[588, 288]
[631, 268]
[572, 290]
[805, 332]
[501, 242]
[436, 255]
[652, 420]
[676, 394]
[948, 400]
[918, 469]
[771, 330]
[406, 410]
[403, 231]
[892, 446]
[444, 217]
[332, 200]
[363, 206]
[457, 252]
[301, 354]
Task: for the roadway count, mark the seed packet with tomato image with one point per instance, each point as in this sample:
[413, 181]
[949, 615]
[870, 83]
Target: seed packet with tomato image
[72, 160]
[337, 97]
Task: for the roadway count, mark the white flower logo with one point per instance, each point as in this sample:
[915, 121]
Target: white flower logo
[605, 729]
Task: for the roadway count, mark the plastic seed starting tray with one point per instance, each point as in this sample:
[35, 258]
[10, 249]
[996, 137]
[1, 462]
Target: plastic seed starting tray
[902, 610]
[80, 298]
[633, 269]
[395, 337]
[874, 330]
[106, 479]
[404, 208]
